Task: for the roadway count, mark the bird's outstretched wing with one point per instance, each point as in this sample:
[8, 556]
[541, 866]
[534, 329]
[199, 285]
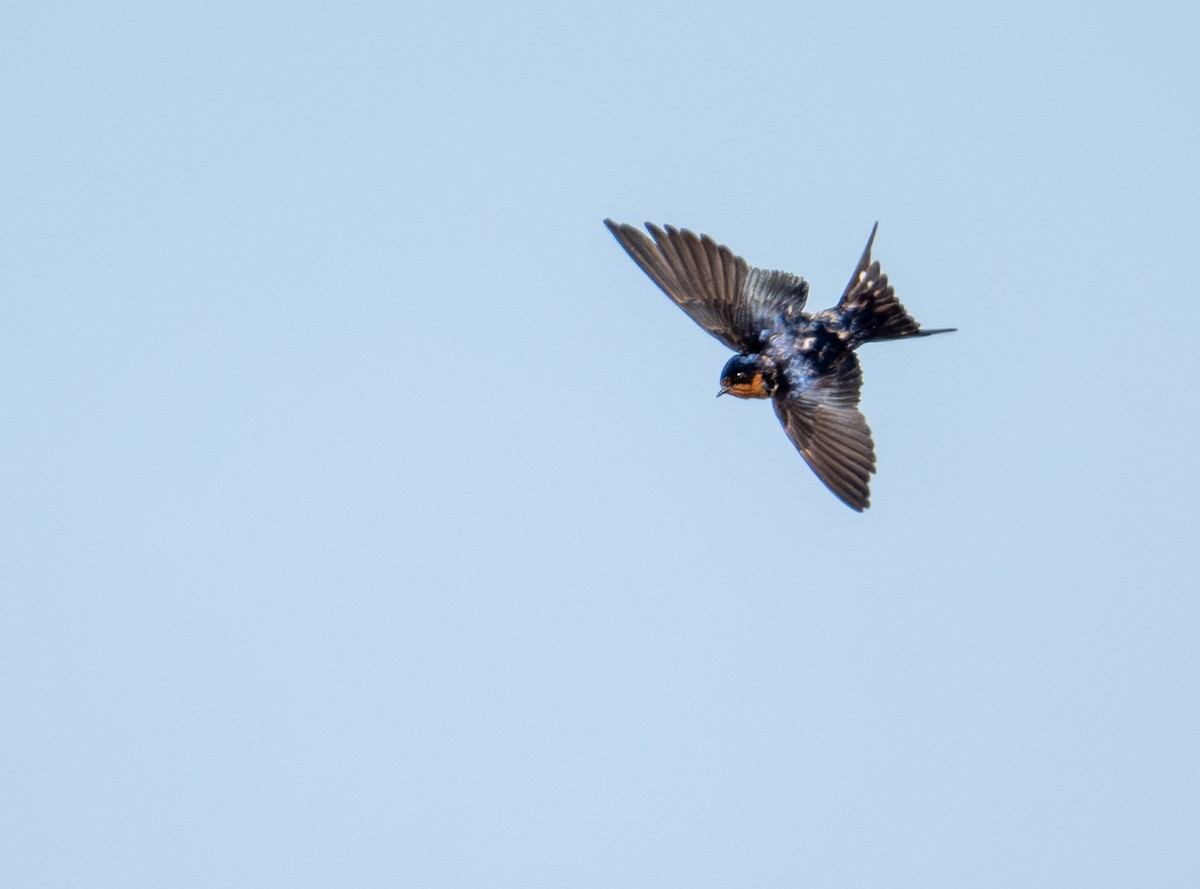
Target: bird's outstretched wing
[719, 290]
[820, 414]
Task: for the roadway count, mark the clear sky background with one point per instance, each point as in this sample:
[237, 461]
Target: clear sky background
[368, 518]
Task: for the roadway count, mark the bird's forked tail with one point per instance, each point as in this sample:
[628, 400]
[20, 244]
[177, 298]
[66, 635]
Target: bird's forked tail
[869, 310]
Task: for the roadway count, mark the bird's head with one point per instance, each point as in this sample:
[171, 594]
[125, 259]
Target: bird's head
[748, 376]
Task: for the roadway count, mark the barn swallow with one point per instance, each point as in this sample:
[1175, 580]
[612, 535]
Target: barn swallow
[804, 363]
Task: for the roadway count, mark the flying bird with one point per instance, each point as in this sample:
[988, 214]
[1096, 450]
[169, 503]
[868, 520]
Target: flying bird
[805, 363]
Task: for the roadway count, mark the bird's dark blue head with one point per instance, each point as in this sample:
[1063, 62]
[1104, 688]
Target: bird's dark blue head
[747, 376]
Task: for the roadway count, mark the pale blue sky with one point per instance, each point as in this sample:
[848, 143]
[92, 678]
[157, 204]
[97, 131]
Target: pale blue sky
[369, 519]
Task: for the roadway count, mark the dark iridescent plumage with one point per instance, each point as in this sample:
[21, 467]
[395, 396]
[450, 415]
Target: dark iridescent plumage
[804, 363]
